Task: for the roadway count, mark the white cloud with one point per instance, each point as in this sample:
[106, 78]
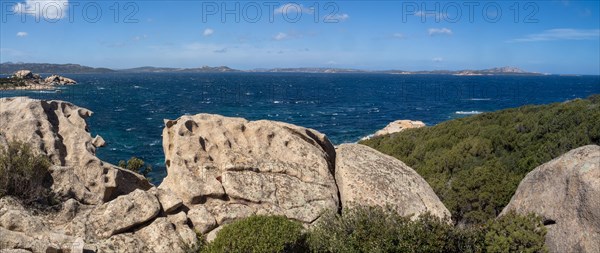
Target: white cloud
[437, 59]
[290, 8]
[208, 32]
[138, 38]
[398, 36]
[334, 18]
[561, 34]
[280, 36]
[47, 9]
[22, 34]
[439, 31]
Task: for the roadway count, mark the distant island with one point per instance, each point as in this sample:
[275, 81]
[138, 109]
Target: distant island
[10, 68]
[203, 69]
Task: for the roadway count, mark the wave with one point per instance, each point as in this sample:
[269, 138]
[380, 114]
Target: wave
[468, 112]
[479, 99]
[45, 91]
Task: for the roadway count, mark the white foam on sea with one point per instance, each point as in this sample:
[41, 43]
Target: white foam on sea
[479, 99]
[468, 112]
[44, 91]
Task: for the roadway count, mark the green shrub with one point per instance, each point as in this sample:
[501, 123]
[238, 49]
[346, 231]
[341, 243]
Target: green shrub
[259, 234]
[136, 165]
[515, 233]
[24, 175]
[475, 164]
[361, 229]
[374, 229]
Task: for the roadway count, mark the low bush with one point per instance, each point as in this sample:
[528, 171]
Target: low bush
[373, 229]
[24, 175]
[516, 233]
[136, 165]
[259, 234]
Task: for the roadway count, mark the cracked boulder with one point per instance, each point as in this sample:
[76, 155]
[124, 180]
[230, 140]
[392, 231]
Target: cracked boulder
[225, 169]
[367, 177]
[59, 131]
[566, 193]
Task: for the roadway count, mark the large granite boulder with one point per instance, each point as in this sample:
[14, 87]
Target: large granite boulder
[23, 74]
[59, 80]
[566, 193]
[230, 168]
[59, 131]
[367, 177]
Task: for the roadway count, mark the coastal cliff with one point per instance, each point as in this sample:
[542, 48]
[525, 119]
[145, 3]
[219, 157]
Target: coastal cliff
[222, 170]
[219, 170]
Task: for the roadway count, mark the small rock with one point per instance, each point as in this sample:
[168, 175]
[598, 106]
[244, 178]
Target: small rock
[201, 219]
[395, 127]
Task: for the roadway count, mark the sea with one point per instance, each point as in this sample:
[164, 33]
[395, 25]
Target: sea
[129, 108]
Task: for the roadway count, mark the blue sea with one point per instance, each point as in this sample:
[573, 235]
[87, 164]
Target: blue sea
[129, 108]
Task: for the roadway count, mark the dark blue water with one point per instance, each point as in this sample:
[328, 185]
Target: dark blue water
[130, 108]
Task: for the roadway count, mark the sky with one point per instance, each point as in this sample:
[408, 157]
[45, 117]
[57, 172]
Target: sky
[559, 37]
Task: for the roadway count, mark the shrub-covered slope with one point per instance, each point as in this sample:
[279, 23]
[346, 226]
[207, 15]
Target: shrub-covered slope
[475, 164]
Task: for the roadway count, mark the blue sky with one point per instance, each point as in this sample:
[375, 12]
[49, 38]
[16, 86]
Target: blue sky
[561, 37]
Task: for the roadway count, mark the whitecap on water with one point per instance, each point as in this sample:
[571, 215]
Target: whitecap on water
[468, 112]
[45, 91]
[479, 99]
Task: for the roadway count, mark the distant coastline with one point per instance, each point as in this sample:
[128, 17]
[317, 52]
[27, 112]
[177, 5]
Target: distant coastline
[9, 68]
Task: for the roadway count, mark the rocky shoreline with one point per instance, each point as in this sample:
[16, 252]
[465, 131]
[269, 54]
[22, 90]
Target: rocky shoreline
[222, 169]
[27, 80]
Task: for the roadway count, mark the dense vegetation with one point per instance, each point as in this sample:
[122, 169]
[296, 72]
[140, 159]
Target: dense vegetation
[136, 165]
[259, 234]
[475, 164]
[374, 229]
[9, 82]
[24, 175]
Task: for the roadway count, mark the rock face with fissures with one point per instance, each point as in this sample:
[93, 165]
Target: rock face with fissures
[230, 168]
[366, 177]
[58, 130]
